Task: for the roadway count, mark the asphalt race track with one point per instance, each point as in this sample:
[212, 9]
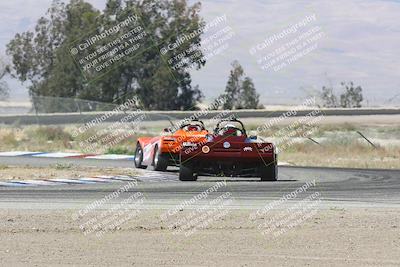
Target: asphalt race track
[337, 187]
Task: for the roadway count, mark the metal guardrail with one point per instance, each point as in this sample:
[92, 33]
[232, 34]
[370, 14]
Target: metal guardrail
[73, 118]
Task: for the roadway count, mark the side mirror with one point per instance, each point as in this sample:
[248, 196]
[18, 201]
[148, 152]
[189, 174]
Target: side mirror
[167, 130]
[253, 137]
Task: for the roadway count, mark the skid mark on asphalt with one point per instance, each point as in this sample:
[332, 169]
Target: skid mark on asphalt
[154, 176]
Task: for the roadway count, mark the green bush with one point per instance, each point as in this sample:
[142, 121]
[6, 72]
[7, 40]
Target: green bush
[120, 150]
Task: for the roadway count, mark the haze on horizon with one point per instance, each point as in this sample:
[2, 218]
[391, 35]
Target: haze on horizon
[360, 44]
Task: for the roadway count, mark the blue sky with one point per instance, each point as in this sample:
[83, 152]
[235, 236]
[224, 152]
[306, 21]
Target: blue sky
[360, 43]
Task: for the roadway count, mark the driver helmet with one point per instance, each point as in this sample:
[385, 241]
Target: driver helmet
[193, 128]
[228, 130]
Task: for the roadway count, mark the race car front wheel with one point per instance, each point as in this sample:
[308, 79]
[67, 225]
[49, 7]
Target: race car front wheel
[186, 172]
[160, 161]
[269, 172]
[139, 157]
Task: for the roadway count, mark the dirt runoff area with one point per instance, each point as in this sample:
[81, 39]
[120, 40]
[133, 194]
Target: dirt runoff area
[331, 237]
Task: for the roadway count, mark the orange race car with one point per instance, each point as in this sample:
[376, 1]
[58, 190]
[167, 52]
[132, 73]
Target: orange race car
[163, 151]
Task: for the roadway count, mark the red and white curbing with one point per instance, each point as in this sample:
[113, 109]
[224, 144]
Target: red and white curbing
[65, 181]
[65, 155]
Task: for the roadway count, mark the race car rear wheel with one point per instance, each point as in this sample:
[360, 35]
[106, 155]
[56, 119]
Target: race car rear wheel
[139, 157]
[269, 172]
[186, 172]
[160, 161]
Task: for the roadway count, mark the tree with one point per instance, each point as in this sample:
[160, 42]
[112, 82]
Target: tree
[249, 99]
[233, 86]
[329, 98]
[352, 97]
[240, 92]
[4, 89]
[43, 57]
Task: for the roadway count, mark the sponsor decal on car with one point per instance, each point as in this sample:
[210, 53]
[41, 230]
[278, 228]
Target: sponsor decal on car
[227, 145]
[205, 149]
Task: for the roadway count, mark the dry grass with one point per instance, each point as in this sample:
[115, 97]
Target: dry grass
[342, 146]
[50, 139]
[3, 167]
[350, 155]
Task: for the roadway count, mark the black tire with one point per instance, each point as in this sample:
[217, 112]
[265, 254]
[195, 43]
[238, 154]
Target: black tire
[269, 172]
[160, 161]
[139, 157]
[186, 172]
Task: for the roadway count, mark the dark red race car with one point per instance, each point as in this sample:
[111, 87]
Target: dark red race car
[229, 152]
